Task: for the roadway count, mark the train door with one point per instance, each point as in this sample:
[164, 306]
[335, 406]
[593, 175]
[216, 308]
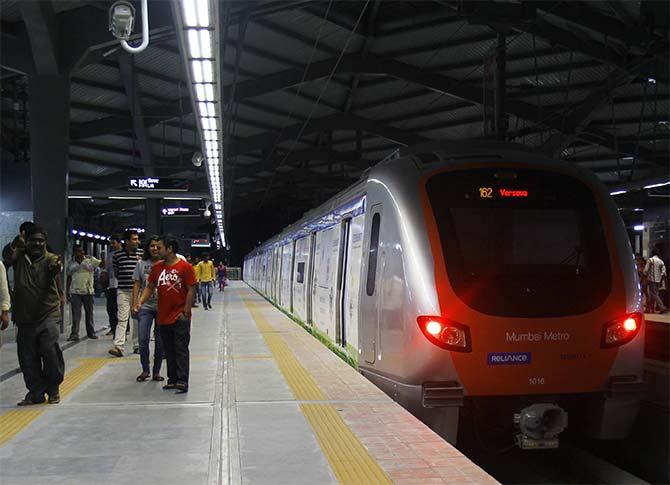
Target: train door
[341, 312]
[311, 284]
[290, 284]
[369, 295]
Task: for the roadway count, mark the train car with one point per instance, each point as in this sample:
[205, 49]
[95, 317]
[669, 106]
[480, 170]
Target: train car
[473, 283]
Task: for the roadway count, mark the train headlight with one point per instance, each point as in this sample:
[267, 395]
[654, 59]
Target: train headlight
[445, 333]
[622, 330]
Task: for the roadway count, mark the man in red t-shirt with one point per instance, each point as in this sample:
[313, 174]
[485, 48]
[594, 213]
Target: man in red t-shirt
[174, 281]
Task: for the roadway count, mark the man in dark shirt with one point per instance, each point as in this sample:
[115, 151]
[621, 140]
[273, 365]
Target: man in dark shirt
[36, 313]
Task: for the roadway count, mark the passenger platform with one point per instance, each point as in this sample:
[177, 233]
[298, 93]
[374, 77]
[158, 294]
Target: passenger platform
[267, 403]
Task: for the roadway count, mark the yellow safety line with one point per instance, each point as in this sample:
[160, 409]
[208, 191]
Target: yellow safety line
[13, 422]
[350, 461]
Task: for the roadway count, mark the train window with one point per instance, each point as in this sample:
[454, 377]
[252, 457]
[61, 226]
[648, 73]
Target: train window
[300, 278]
[532, 246]
[372, 254]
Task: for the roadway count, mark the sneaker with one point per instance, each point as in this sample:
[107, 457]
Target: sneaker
[181, 388]
[73, 338]
[93, 337]
[116, 352]
[168, 386]
[54, 398]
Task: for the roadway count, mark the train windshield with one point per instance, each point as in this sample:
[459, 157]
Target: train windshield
[521, 243]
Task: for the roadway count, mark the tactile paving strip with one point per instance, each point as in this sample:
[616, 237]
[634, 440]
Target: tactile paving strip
[13, 422]
[347, 456]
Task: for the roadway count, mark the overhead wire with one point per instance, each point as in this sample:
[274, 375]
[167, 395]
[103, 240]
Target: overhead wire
[318, 100]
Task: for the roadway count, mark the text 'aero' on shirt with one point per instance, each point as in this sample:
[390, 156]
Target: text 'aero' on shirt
[172, 284]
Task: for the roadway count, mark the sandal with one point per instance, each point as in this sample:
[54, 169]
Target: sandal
[142, 377]
[157, 378]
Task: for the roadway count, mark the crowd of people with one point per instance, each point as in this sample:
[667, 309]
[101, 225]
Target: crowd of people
[149, 290]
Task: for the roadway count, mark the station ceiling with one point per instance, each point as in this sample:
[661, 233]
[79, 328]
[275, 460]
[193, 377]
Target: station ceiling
[315, 92]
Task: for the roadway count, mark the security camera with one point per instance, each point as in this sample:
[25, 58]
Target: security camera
[121, 19]
[197, 159]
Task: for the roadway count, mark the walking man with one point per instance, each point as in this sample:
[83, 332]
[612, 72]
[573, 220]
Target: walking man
[655, 273]
[36, 313]
[109, 280]
[80, 291]
[124, 262]
[205, 275]
[174, 281]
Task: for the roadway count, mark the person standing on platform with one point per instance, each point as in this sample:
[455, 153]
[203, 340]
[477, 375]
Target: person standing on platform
[174, 281]
[5, 303]
[124, 262]
[80, 291]
[221, 275]
[206, 276]
[36, 313]
[109, 281]
[146, 315]
[656, 274]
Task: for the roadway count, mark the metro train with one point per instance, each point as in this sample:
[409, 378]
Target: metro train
[473, 283]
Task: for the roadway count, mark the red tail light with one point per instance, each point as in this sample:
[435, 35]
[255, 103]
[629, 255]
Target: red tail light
[622, 330]
[445, 333]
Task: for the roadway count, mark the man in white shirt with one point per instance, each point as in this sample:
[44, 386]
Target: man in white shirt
[108, 279]
[655, 273]
[80, 291]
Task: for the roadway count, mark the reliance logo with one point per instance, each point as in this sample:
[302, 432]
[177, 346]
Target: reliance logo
[509, 358]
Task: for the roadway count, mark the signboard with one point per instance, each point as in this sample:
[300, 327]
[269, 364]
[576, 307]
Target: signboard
[200, 243]
[156, 183]
[179, 212]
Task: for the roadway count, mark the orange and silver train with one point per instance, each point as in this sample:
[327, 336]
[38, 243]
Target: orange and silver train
[473, 281]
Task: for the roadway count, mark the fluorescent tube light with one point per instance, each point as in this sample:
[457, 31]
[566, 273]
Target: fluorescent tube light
[653, 186]
[639, 227]
[198, 76]
[194, 43]
[202, 7]
[190, 13]
[205, 43]
[618, 192]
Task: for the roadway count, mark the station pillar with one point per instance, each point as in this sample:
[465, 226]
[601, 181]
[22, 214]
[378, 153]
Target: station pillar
[49, 98]
[152, 216]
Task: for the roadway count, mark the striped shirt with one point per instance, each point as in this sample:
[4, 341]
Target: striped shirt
[124, 267]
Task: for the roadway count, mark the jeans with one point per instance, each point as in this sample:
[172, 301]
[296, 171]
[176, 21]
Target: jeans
[146, 319]
[655, 302]
[206, 289]
[112, 308]
[197, 292]
[76, 302]
[176, 337]
[40, 356]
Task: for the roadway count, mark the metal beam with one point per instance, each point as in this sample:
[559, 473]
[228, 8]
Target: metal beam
[338, 121]
[117, 124]
[40, 22]
[370, 26]
[129, 78]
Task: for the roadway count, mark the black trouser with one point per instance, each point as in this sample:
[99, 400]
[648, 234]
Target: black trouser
[112, 309]
[76, 302]
[175, 338]
[40, 356]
